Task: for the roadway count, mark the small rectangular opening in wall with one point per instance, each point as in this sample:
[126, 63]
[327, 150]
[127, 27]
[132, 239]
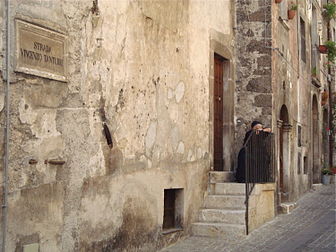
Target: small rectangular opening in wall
[299, 164]
[299, 136]
[173, 209]
[303, 40]
[305, 165]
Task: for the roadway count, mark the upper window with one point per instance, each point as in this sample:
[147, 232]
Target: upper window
[299, 136]
[303, 40]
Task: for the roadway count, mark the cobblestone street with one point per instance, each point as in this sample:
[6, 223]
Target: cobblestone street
[309, 227]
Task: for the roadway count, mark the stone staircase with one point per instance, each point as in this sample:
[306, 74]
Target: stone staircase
[223, 214]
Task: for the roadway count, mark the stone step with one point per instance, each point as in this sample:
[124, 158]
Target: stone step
[231, 231]
[227, 188]
[222, 215]
[316, 186]
[287, 207]
[221, 176]
[225, 201]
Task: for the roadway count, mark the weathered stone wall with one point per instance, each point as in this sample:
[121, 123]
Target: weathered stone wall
[271, 79]
[286, 86]
[254, 82]
[294, 88]
[140, 67]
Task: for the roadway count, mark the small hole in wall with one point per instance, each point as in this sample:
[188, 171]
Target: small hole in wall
[108, 135]
[26, 106]
[95, 9]
[173, 209]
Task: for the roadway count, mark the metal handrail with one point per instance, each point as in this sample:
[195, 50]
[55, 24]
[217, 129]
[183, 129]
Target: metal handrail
[259, 164]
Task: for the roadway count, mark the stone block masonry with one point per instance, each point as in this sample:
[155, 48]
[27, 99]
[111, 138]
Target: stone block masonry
[253, 57]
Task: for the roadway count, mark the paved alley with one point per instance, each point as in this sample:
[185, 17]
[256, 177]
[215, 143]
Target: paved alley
[309, 227]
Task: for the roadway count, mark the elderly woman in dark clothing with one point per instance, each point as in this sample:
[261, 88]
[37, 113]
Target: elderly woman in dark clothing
[256, 126]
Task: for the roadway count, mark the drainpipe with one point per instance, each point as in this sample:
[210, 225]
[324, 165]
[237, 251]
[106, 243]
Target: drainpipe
[6, 154]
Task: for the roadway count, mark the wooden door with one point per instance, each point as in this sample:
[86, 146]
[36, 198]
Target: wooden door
[218, 113]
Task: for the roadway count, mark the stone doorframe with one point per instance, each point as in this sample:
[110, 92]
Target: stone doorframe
[221, 44]
[284, 157]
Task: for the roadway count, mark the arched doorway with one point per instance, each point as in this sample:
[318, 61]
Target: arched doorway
[315, 143]
[284, 153]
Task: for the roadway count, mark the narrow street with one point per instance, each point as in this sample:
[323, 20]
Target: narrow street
[309, 227]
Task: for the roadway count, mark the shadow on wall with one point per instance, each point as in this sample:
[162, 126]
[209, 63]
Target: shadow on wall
[131, 235]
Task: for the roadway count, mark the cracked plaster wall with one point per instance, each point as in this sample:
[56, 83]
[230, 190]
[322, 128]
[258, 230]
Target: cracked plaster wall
[142, 67]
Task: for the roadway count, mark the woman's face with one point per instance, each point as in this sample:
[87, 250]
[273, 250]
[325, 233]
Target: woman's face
[258, 127]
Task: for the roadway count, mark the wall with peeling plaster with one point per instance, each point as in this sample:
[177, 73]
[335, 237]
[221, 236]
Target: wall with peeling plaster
[142, 68]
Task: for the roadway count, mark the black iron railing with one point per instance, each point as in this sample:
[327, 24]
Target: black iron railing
[259, 163]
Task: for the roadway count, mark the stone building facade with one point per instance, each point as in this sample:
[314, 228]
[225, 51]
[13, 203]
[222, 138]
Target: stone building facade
[116, 124]
[300, 109]
[116, 109]
[282, 80]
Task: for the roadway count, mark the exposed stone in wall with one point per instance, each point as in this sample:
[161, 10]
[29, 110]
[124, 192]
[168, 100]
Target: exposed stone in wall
[263, 100]
[254, 80]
